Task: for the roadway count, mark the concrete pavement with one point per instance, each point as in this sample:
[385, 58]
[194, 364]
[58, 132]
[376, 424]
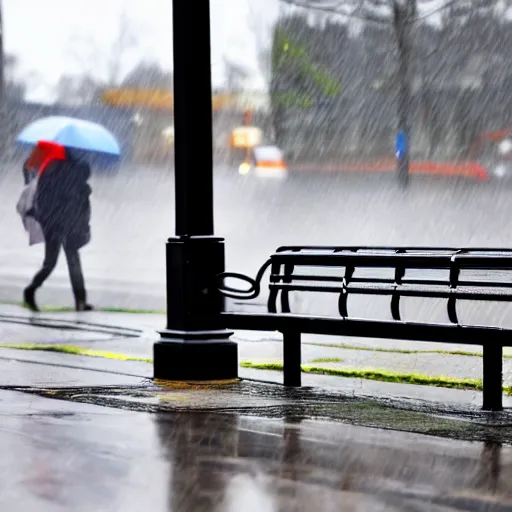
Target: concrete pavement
[122, 344]
[94, 432]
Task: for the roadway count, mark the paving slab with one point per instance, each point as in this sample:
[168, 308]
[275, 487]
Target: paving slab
[34, 334]
[19, 371]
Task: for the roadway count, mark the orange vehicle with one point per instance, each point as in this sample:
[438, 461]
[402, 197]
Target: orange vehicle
[494, 151]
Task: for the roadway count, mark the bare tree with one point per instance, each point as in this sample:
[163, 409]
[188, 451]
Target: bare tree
[125, 43]
[150, 75]
[76, 90]
[401, 16]
[106, 67]
[15, 87]
[403, 13]
[236, 75]
[263, 40]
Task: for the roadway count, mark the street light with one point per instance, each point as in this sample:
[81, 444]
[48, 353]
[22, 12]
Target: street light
[195, 345]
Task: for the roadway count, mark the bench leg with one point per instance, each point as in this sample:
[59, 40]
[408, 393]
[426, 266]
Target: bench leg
[493, 378]
[291, 359]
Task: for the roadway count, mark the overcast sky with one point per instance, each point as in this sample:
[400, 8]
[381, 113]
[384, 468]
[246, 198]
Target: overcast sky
[50, 36]
[41, 34]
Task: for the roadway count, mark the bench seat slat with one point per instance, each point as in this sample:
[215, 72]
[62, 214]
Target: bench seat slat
[359, 327]
[283, 278]
[481, 294]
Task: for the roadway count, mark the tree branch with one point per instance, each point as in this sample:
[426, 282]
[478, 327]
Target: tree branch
[335, 8]
[362, 9]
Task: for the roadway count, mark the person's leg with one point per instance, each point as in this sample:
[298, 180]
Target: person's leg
[77, 278]
[51, 256]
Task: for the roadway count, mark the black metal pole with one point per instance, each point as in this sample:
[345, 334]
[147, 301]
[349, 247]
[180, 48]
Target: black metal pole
[193, 118]
[292, 371]
[492, 377]
[195, 345]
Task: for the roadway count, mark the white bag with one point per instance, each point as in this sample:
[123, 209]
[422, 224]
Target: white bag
[24, 205]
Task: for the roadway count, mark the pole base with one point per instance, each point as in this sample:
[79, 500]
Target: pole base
[198, 360]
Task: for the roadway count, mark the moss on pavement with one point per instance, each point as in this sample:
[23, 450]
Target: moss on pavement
[380, 375]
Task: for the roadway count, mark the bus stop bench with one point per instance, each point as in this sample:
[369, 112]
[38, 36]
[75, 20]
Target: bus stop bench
[449, 274]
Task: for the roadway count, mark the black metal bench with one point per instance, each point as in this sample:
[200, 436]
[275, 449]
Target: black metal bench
[463, 274]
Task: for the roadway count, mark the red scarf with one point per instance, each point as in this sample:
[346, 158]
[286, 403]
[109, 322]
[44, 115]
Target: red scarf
[44, 154]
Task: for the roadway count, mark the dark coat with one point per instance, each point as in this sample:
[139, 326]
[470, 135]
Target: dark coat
[62, 202]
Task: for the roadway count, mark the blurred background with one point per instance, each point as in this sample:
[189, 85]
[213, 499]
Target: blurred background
[308, 99]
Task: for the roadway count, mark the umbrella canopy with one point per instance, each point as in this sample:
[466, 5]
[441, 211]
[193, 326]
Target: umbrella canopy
[71, 133]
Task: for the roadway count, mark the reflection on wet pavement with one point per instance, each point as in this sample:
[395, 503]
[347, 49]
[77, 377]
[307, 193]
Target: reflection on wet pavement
[236, 463]
[63, 456]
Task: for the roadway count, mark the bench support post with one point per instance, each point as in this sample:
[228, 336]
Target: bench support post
[292, 358]
[493, 377]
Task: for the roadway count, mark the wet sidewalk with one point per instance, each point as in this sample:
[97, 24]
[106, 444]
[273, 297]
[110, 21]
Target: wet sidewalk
[62, 456]
[84, 427]
[124, 342]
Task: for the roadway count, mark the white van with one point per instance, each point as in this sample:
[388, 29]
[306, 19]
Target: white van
[265, 162]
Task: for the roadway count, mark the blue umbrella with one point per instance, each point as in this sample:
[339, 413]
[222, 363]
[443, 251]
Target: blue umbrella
[71, 133]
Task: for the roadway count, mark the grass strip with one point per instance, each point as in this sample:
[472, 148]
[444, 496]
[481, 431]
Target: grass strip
[381, 375]
[64, 309]
[67, 309]
[133, 311]
[398, 350]
[75, 350]
[327, 360]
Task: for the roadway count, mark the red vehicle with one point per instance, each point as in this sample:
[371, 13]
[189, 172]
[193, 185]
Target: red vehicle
[494, 151]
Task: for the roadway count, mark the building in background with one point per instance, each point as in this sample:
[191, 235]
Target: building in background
[153, 131]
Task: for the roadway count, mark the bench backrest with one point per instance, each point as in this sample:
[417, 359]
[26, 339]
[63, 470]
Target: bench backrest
[446, 273]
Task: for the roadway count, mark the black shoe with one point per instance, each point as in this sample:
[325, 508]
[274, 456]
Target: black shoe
[29, 298]
[83, 306]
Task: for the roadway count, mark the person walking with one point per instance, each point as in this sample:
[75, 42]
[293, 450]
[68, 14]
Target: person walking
[62, 208]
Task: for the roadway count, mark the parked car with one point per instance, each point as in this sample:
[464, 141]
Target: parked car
[493, 150]
[264, 162]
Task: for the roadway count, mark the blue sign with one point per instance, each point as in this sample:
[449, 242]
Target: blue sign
[401, 144]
